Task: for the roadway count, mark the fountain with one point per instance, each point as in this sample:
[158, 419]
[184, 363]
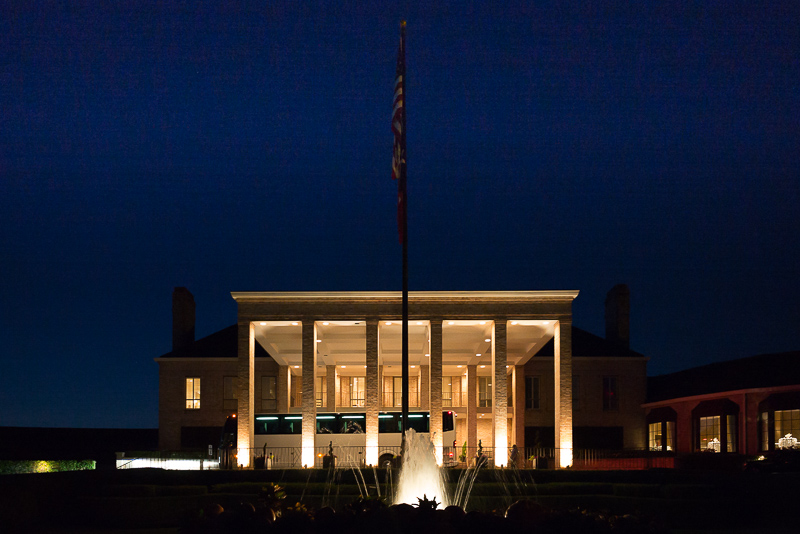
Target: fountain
[420, 476]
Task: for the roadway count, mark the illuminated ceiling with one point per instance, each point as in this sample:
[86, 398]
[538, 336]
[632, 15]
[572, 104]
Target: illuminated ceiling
[343, 343]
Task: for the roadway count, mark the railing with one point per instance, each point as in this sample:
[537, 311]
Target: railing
[167, 460]
[355, 456]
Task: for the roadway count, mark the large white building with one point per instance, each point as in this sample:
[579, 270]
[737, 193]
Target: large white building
[509, 363]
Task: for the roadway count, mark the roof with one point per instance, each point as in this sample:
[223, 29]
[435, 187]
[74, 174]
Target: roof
[221, 344]
[765, 370]
[585, 344]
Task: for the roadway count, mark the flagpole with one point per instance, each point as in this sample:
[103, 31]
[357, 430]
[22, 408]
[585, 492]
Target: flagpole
[404, 230]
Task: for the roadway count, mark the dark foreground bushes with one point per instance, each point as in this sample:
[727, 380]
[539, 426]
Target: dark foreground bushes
[373, 516]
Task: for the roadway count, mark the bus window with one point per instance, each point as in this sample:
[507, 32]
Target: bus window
[419, 421]
[327, 424]
[291, 424]
[267, 424]
[352, 423]
[448, 423]
[389, 423]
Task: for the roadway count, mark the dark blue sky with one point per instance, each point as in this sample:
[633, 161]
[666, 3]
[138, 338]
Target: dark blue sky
[231, 149]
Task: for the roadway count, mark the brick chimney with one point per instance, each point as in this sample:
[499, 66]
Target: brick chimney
[182, 318]
[618, 312]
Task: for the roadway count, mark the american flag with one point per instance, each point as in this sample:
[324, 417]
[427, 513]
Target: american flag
[397, 112]
[398, 129]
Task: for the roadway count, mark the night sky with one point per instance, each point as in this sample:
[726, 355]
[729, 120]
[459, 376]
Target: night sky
[145, 146]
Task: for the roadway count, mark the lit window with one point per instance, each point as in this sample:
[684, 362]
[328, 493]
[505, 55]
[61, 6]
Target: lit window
[654, 436]
[709, 434]
[786, 422]
[357, 391]
[192, 393]
[531, 392]
[447, 391]
[484, 392]
[321, 391]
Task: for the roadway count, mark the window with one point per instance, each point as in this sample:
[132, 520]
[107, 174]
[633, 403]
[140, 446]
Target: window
[670, 435]
[730, 433]
[357, 391]
[786, 422]
[192, 393]
[779, 417]
[715, 425]
[610, 394]
[393, 391]
[447, 391]
[397, 391]
[654, 436]
[269, 393]
[531, 392]
[321, 391]
[576, 392]
[484, 392]
[709, 434]
[660, 436]
[229, 393]
[661, 429]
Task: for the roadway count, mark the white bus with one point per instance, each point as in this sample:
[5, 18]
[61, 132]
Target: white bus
[278, 437]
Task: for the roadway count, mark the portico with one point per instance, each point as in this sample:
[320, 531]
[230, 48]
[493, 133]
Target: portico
[341, 351]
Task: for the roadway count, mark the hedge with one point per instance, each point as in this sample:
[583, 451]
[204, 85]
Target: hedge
[15, 467]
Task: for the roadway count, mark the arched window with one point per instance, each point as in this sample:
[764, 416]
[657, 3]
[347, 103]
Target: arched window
[661, 429]
[715, 426]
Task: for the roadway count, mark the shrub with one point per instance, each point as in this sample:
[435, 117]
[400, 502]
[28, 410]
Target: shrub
[14, 467]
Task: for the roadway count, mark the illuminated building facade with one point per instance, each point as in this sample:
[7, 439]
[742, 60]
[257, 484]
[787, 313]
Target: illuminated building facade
[503, 361]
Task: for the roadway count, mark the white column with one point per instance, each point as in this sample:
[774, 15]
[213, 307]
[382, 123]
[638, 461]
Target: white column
[372, 399]
[499, 393]
[245, 412]
[562, 343]
[309, 406]
[436, 389]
